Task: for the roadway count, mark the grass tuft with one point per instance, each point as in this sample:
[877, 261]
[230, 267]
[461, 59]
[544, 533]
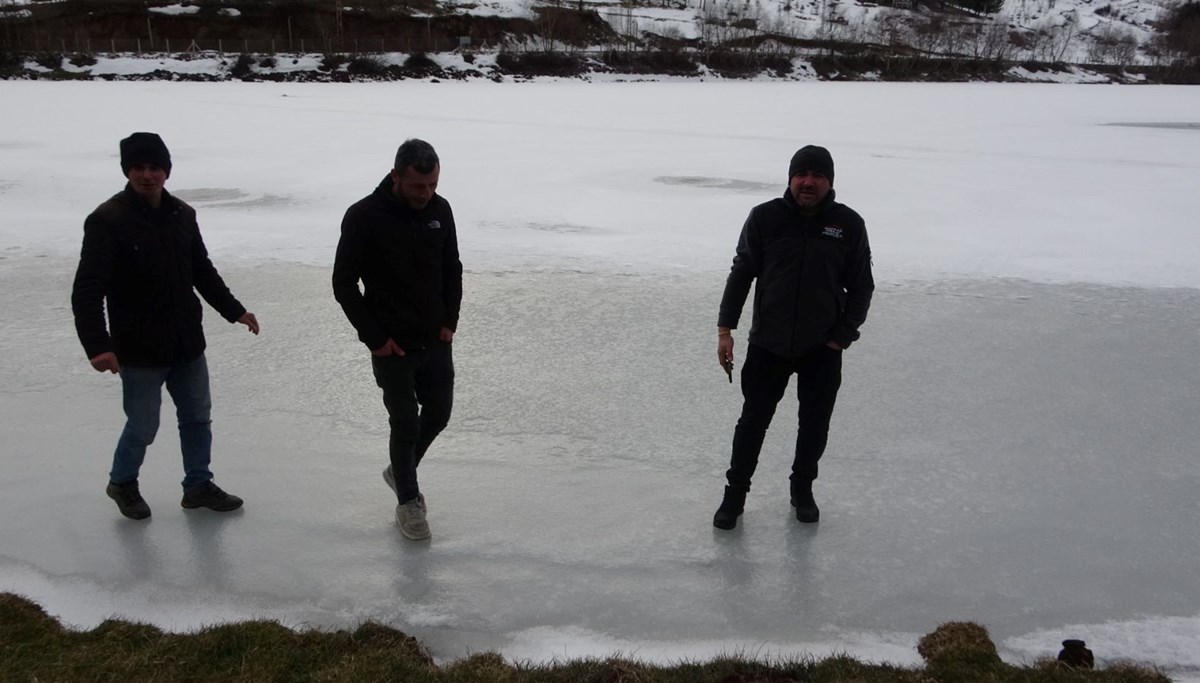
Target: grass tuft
[958, 641]
[36, 647]
[23, 619]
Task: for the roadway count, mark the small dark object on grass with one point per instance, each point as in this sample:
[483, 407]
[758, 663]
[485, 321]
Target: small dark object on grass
[1075, 655]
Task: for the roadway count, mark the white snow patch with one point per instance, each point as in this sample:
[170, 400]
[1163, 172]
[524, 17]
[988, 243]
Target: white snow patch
[175, 9]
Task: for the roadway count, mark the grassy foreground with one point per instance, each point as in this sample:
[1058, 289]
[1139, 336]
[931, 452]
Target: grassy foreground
[35, 647]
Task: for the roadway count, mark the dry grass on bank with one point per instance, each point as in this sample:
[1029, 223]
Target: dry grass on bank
[36, 647]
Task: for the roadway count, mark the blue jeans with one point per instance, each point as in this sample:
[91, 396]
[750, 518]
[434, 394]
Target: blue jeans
[142, 391]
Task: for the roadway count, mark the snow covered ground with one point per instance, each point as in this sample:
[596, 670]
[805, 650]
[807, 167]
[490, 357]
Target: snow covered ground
[1016, 437]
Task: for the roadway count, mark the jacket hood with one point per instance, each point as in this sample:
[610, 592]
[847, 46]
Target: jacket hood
[384, 192]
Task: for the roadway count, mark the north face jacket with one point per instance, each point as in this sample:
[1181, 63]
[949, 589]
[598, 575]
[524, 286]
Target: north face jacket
[813, 272]
[408, 262]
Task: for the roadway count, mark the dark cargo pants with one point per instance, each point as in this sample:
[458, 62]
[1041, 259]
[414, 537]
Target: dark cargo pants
[765, 378]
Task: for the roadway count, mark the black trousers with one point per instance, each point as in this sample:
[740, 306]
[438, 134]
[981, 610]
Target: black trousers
[764, 380]
[418, 392]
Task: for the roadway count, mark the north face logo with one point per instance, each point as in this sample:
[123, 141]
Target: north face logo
[434, 225]
[834, 231]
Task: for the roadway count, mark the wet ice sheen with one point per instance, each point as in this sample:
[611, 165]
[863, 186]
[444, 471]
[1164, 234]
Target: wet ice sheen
[1017, 454]
[982, 467]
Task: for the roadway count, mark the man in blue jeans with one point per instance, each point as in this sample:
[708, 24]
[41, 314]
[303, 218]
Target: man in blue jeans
[143, 256]
[810, 257]
[400, 243]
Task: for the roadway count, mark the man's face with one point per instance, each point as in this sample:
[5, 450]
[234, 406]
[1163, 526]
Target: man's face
[415, 189]
[147, 181]
[808, 188]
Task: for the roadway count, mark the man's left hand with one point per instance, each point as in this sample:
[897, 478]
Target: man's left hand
[446, 335]
[249, 321]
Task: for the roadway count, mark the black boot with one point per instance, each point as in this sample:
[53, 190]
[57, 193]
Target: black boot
[731, 508]
[802, 499]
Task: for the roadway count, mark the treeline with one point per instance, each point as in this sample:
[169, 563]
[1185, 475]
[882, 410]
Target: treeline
[957, 39]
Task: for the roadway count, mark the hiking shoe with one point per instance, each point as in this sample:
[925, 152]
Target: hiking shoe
[411, 518]
[391, 482]
[209, 495]
[731, 508]
[129, 499]
[806, 506]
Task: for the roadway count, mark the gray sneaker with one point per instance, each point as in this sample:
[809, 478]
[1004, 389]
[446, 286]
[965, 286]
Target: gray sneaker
[129, 499]
[411, 518]
[391, 482]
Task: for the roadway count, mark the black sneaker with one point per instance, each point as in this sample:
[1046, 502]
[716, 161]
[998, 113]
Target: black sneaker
[209, 495]
[129, 499]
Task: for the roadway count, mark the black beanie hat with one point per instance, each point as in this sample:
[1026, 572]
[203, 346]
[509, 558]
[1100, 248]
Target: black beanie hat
[144, 148]
[812, 158]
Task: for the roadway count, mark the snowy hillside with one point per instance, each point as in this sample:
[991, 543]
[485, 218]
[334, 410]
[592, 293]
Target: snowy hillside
[1117, 32]
[1076, 31]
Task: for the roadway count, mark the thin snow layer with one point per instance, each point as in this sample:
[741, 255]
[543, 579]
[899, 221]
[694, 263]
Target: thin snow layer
[1014, 444]
[175, 9]
[495, 8]
[970, 180]
[1069, 75]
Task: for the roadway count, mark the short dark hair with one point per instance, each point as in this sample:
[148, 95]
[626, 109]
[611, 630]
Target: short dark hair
[416, 154]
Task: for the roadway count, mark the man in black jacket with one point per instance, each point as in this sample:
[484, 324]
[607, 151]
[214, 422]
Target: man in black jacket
[400, 242]
[143, 256]
[812, 261]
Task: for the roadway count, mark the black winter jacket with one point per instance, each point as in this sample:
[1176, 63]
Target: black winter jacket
[147, 264]
[814, 276]
[409, 266]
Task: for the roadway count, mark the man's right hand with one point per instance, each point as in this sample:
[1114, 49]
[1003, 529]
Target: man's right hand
[106, 361]
[388, 349]
[725, 349]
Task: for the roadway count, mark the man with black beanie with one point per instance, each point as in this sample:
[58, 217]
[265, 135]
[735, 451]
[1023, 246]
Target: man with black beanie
[400, 242]
[144, 258]
[812, 262]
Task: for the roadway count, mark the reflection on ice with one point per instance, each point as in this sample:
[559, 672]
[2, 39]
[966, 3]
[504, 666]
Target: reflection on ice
[981, 469]
[225, 198]
[1161, 124]
[731, 184]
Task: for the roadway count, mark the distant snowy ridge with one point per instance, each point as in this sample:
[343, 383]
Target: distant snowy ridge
[1098, 33]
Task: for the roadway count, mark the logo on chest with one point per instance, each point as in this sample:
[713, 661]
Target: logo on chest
[834, 231]
[433, 225]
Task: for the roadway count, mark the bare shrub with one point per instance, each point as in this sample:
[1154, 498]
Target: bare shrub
[367, 66]
[50, 60]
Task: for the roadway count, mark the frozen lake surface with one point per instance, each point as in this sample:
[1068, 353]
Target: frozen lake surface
[1015, 440]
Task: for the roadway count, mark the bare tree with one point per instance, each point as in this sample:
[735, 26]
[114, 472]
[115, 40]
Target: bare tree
[1113, 44]
[627, 27]
[929, 36]
[1050, 41]
[783, 28]
[831, 25]
[988, 40]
